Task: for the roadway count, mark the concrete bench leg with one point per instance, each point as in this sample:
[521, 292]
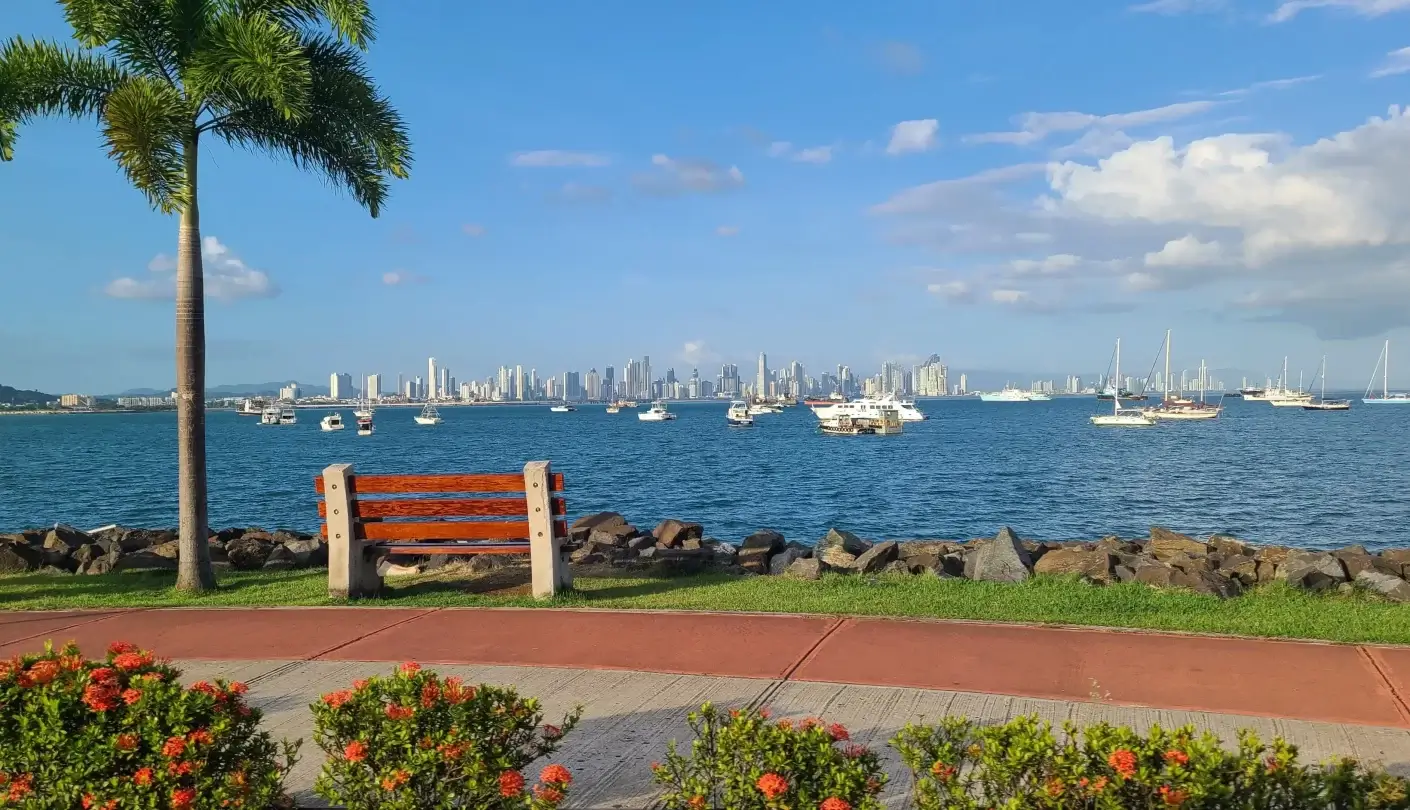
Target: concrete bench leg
[351, 575]
[546, 562]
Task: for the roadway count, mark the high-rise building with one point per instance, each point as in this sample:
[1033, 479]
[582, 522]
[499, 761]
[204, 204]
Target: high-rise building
[646, 375]
[572, 388]
[609, 382]
[465, 395]
[592, 385]
[520, 382]
[931, 378]
[289, 392]
[761, 380]
[446, 385]
[408, 389]
[340, 386]
[430, 379]
[401, 386]
[693, 387]
[373, 387]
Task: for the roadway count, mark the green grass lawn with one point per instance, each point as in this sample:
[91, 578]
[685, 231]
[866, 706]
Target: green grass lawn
[1274, 611]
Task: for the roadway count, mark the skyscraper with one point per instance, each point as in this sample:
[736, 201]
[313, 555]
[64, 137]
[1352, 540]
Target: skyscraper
[609, 382]
[592, 385]
[340, 386]
[444, 392]
[646, 375]
[373, 387]
[430, 393]
[761, 382]
[519, 383]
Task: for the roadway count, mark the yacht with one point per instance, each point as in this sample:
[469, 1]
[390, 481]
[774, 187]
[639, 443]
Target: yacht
[1387, 397]
[881, 422]
[905, 410]
[364, 426]
[831, 399]
[565, 408]
[1322, 403]
[429, 415]
[614, 408]
[331, 422]
[278, 415]
[762, 408]
[1178, 408]
[1009, 394]
[738, 414]
[657, 413]
[1119, 416]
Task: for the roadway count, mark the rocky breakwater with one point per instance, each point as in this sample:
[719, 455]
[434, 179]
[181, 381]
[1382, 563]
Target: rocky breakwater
[66, 550]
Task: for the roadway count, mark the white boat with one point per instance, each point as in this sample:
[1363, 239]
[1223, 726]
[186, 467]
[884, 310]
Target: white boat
[1321, 403]
[364, 426]
[251, 407]
[1387, 397]
[1122, 417]
[614, 409]
[1039, 396]
[657, 413]
[331, 422]
[562, 409]
[886, 421]
[428, 416]
[738, 414]
[1179, 409]
[1284, 397]
[278, 415]
[869, 407]
[1009, 394]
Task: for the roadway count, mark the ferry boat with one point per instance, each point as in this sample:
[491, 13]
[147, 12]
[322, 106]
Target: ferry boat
[657, 413]
[331, 422]
[429, 415]
[1010, 394]
[1387, 396]
[738, 414]
[364, 426]
[905, 409]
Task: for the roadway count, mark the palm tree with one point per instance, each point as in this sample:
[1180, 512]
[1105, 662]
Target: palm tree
[285, 77]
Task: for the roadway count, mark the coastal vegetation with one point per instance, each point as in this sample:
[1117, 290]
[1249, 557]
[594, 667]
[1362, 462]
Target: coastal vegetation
[281, 77]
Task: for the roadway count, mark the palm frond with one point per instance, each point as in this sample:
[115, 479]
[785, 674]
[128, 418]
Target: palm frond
[148, 126]
[351, 20]
[142, 35]
[41, 78]
[352, 135]
[92, 21]
[254, 58]
[189, 21]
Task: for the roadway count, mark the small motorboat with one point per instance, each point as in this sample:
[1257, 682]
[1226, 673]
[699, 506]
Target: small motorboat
[429, 415]
[563, 409]
[331, 422]
[738, 414]
[613, 409]
[364, 426]
[657, 413]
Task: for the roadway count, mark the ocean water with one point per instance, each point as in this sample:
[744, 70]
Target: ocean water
[1271, 475]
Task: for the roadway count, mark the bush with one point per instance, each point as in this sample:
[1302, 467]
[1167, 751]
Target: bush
[123, 732]
[959, 765]
[743, 761]
[414, 741]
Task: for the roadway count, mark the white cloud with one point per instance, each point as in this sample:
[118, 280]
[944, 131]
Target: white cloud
[1033, 237]
[1272, 84]
[1035, 126]
[1171, 7]
[1187, 251]
[696, 353]
[1095, 143]
[1050, 265]
[472, 229]
[956, 290]
[675, 176]
[727, 230]
[813, 154]
[1397, 61]
[394, 278]
[557, 158]
[780, 149]
[1008, 296]
[913, 136]
[1366, 8]
[922, 198]
[901, 58]
[226, 277]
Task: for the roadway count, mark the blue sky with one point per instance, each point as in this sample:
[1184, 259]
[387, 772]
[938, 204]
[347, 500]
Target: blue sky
[1010, 184]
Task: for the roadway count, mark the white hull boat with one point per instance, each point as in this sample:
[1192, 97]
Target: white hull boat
[869, 407]
[364, 426]
[657, 413]
[738, 415]
[1122, 417]
[1011, 395]
[331, 422]
[1387, 396]
[562, 409]
[428, 416]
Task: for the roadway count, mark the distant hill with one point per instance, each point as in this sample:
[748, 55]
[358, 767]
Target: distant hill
[14, 396]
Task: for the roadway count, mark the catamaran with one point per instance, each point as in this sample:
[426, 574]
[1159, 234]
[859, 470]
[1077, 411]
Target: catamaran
[1387, 397]
[1321, 403]
[429, 415]
[1121, 417]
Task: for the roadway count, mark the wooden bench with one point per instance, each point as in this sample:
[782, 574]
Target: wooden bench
[361, 529]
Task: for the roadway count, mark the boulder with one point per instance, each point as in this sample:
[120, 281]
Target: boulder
[780, 561]
[636, 543]
[907, 549]
[1227, 546]
[603, 521]
[754, 560]
[607, 539]
[953, 563]
[170, 549]
[648, 553]
[226, 535]
[764, 538]
[1002, 559]
[922, 563]
[1190, 563]
[1165, 544]
[804, 568]
[1156, 574]
[1267, 572]
[672, 533]
[1206, 582]
[1272, 554]
[249, 553]
[1094, 565]
[844, 540]
[896, 567]
[1240, 567]
[1391, 587]
[282, 536]
[65, 538]
[1357, 559]
[311, 553]
[19, 558]
[588, 555]
[86, 553]
[1312, 570]
[876, 558]
[144, 561]
[834, 556]
[692, 543]
[1123, 573]
[100, 565]
[724, 552]
[1115, 545]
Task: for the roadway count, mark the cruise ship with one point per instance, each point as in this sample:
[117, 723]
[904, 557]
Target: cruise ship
[869, 407]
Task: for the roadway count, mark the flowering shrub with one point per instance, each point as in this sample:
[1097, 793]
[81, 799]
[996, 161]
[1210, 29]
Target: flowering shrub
[958, 765]
[414, 740]
[123, 732]
[744, 761]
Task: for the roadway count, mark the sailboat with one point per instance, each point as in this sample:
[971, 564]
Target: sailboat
[1386, 397]
[1179, 408]
[1321, 403]
[1283, 398]
[428, 416]
[1121, 417]
[363, 405]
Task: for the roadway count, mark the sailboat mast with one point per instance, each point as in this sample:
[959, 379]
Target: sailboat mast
[1385, 374]
[1116, 392]
[1167, 365]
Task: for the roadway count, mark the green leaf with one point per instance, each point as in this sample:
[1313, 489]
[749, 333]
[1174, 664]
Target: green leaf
[351, 20]
[41, 78]
[253, 59]
[147, 124]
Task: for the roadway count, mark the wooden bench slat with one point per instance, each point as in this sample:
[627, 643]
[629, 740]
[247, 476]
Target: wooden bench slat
[466, 530]
[391, 484]
[444, 507]
[420, 549]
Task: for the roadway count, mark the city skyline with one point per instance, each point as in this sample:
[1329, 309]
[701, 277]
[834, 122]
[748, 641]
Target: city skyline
[899, 176]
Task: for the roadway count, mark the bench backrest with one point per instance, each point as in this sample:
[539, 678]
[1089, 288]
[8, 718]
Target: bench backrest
[441, 507]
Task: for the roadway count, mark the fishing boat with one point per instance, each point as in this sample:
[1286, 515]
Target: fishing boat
[1122, 417]
[1387, 397]
[429, 415]
[1321, 403]
[657, 413]
[331, 422]
[738, 414]
[364, 426]
[564, 408]
[1178, 408]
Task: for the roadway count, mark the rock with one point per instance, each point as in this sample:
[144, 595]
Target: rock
[280, 553]
[170, 549]
[1002, 559]
[953, 564]
[1391, 587]
[283, 536]
[834, 556]
[19, 558]
[724, 553]
[764, 538]
[1312, 570]
[1115, 545]
[648, 553]
[1165, 544]
[692, 543]
[144, 561]
[671, 533]
[600, 520]
[804, 568]
[249, 553]
[1094, 565]
[588, 554]
[606, 539]
[1206, 582]
[1189, 563]
[755, 560]
[1272, 554]
[65, 538]
[844, 540]
[896, 567]
[921, 563]
[1227, 546]
[86, 553]
[876, 558]
[907, 549]
[1357, 559]
[1123, 573]
[782, 560]
[226, 535]
[387, 568]
[287, 565]
[638, 543]
[312, 553]
[1240, 567]
[101, 565]
[1156, 574]
[1267, 572]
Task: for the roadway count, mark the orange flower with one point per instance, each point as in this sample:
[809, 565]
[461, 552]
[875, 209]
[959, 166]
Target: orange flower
[551, 732]
[397, 778]
[203, 687]
[395, 712]
[549, 795]
[1273, 764]
[834, 803]
[100, 697]
[200, 737]
[1123, 762]
[1177, 757]
[409, 668]
[143, 776]
[1054, 787]
[838, 732]
[337, 699]
[174, 747]
[696, 803]
[239, 688]
[183, 798]
[786, 724]
[1100, 785]
[360, 684]
[70, 663]
[555, 775]
[853, 751]
[129, 661]
[1171, 796]
[765, 713]
[179, 768]
[356, 751]
[772, 785]
[20, 786]
[125, 742]
[88, 800]
[511, 783]
[120, 647]
[42, 672]
[452, 750]
[131, 696]
[943, 771]
[456, 692]
[430, 693]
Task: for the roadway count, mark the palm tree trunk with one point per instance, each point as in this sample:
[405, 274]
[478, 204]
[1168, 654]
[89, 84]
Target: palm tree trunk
[194, 571]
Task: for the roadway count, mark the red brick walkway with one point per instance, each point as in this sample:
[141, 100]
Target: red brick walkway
[1303, 680]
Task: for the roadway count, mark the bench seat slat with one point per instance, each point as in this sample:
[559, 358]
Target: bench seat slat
[391, 484]
[443, 507]
[453, 548]
[464, 530]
